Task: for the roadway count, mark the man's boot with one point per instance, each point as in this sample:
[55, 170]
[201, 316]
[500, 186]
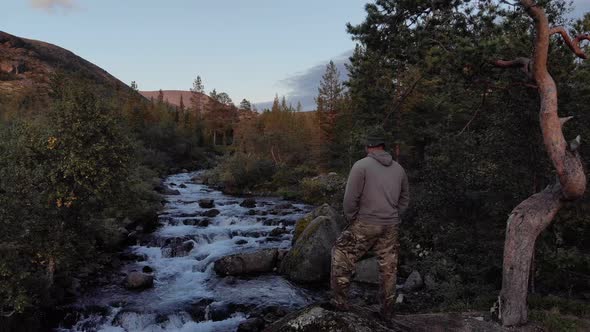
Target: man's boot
[339, 301]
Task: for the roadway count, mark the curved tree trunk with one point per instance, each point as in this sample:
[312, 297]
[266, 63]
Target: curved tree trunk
[535, 213]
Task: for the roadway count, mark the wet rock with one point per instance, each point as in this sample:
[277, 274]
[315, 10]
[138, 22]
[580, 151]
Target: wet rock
[248, 203]
[198, 310]
[240, 242]
[206, 203]
[413, 282]
[147, 269]
[274, 239]
[197, 222]
[278, 231]
[197, 180]
[284, 206]
[255, 324]
[257, 262]
[164, 190]
[187, 215]
[310, 258]
[184, 170]
[182, 185]
[251, 212]
[211, 213]
[271, 222]
[178, 247]
[254, 234]
[230, 280]
[138, 281]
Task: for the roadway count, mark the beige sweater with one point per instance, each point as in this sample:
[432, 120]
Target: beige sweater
[377, 190]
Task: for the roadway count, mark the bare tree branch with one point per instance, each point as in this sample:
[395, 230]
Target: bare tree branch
[525, 64]
[574, 45]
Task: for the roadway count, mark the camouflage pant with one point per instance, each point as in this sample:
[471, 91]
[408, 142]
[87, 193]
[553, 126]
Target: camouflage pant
[352, 244]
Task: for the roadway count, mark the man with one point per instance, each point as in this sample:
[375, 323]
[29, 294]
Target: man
[377, 193]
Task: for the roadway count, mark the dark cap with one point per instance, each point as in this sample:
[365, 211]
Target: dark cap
[376, 137]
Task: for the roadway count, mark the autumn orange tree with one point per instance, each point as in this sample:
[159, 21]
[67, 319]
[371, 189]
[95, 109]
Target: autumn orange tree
[535, 213]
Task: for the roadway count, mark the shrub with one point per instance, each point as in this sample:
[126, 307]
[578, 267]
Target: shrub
[323, 189]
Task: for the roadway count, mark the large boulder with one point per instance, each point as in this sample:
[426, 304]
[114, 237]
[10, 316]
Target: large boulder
[261, 261]
[310, 258]
[323, 210]
[138, 281]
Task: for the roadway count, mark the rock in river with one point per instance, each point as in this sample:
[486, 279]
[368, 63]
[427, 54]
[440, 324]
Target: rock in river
[248, 203]
[261, 261]
[211, 213]
[138, 281]
[206, 203]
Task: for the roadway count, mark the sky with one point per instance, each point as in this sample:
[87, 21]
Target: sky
[250, 49]
[247, 48]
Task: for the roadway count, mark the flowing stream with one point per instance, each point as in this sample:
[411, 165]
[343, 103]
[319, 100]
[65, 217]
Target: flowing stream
[187, 294]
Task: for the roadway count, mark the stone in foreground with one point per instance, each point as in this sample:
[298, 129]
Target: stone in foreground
[315, 318]
[318, 319]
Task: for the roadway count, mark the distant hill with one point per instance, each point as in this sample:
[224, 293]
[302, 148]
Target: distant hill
[27, 63]
[173, 97]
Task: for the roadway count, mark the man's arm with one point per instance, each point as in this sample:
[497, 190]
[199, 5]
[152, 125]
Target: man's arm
[404, 195]
[353, 193]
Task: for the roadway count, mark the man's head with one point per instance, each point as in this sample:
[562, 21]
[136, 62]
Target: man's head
[375, 139]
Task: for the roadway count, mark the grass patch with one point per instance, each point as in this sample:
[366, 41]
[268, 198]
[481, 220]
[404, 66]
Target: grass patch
[556, 322]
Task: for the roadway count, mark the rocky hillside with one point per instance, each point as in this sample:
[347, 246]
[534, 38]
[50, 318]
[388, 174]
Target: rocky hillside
[27, 63]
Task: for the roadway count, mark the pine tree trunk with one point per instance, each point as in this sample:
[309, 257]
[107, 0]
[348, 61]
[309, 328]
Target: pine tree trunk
[535, 213]
[525, 224]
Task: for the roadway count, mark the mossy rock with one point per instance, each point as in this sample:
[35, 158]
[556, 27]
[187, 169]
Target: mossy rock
[300, 226]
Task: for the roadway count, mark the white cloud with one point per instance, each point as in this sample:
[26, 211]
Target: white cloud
[53, 5]
[303, 86]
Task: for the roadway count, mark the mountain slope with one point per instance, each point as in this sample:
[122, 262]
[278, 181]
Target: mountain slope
[27, 63]
[172, 97]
